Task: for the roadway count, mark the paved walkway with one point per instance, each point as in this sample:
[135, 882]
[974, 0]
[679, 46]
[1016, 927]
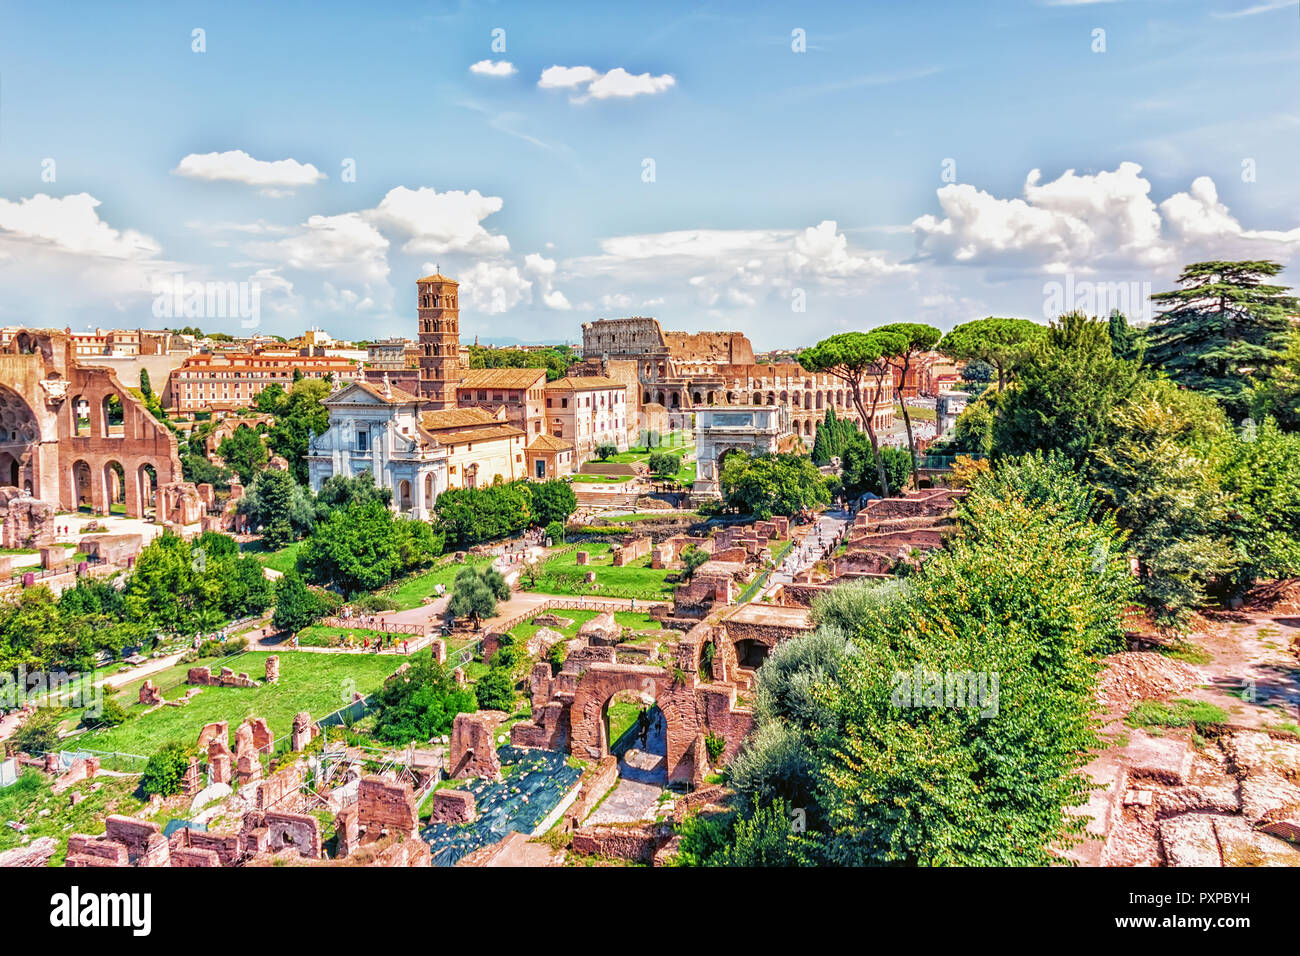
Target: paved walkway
[816, 544]
[643, 775]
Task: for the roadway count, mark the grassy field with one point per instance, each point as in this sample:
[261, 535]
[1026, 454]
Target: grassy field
[284, 560]
[318, 635]
[31, 795]
[602, 479]
[412, 591]
[645, 516]
[316, 683]
[638, 576]
[633, 619]
[916, 414]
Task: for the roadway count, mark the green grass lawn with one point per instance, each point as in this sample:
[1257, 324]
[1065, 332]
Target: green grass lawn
[636, 578]
[602, 479]
[316, 683]
[412, 591]
[633, 619]
[284, 560]
[318, 635]
[916, 414]
[25, 800]
[646, 516]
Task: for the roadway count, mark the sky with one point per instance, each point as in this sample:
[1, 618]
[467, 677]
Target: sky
[786, 170]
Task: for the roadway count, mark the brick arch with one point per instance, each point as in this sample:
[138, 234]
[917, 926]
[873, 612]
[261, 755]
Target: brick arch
[595, 690]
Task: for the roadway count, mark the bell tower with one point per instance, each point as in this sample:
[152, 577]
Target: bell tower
[439, 340]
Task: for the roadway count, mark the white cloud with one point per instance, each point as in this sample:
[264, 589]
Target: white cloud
[1105, 220]
[237, 166]
[566, 77]
[493, 287]
[71, 224]
[493, 68]
[438, 223]
[538, 265]
[618, 83]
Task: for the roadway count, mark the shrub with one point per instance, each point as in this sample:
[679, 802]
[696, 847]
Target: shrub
[40, 734]
[496, 689]
[715, 744]
[166, 769]
[555, 531]
[110, 715]
[664, 464]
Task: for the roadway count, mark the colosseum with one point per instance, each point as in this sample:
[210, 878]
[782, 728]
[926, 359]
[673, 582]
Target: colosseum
[72, 436]
[685, 370]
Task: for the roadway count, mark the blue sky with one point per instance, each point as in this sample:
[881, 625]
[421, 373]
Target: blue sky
[884, 173]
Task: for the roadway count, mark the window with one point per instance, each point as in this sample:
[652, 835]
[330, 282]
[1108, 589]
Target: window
[363, 440]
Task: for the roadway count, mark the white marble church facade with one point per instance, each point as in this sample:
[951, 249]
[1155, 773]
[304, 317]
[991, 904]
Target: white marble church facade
[376, 428]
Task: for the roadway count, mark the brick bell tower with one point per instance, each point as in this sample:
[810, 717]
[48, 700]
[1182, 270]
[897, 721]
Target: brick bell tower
[439, 316]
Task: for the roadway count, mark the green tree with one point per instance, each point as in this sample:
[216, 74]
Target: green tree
[495, 690]
[767, 485]
[469, 516]
[1067, 386]
[858, 467]
[299, 414]
[552, 501]
[146, 387]
[356, 548]
[475, 593]
[278, 504]
[664, 464]
[340, 491]
[1126, 341]
[165, 771]
[420, 702]
[918, 339]
[296, 605]
[1223, 330]
[1159, 470]
[862, 361]
[1278, 396]
[245, 452]
[606, 451]
[692, 558]
[1002, 343]
[1260, 478]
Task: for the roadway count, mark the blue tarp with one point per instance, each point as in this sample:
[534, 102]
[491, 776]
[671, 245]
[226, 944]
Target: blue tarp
[534, 783]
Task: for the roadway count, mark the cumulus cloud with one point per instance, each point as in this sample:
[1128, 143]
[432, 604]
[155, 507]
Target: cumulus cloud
[618, 83]
[544, 269]
[71, 224]
[493, 68]
[438, 223]
[493, 287]
[566, 77]
[1105, 220]
[236, 166]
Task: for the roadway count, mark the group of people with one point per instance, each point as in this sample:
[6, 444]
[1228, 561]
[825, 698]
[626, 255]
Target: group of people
[377, 644]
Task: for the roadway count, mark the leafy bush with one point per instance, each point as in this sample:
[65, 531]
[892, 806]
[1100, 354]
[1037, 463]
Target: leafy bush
[664, 464]
[555, 531]
[165, 771]
[40, 734]
[420, 703]
[495, 690]
[111, 714]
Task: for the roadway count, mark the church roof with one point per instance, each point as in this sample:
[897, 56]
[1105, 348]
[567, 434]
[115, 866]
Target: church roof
[448, 418]
[437, 277]
[548, 443]
[501, 377]
[585, 382]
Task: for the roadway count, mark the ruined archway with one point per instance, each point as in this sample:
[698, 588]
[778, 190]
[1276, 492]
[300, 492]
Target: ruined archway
[19, 436]
[116, 489]
[83, 492]
[148, 485]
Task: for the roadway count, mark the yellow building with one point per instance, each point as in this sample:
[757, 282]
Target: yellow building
[482, 447]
